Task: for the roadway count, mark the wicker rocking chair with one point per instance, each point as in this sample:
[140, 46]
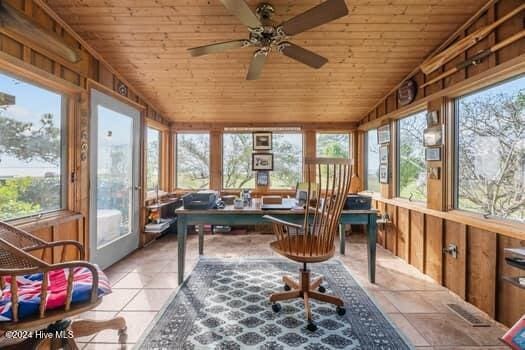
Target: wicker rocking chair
[313, 241]
[18, 251]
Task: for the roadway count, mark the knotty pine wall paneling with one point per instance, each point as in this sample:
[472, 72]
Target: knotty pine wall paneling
[476, 274]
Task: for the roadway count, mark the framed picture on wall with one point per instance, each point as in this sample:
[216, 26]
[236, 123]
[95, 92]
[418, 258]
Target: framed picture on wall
[433, 154]
[383, 134]
[383, 154]
[262, 161]
[432, 118]
[433, 136]
[383, 174]
[262, 141]
[263, 178]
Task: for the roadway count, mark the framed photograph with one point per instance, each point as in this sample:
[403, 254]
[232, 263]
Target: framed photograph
[262, 161]
[383, 134]
[383, 174]
[434, 173]
[262, 141]
[263, 178]
[433, 136]
[432, 118]
[433, 154]
[383, 154]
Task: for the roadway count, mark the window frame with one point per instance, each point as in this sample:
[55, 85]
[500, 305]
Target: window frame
[65, 163]
[176, 162]
[397, 162]
[454, 161]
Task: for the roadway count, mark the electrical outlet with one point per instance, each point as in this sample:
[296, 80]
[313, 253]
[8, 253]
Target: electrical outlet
[451, 249]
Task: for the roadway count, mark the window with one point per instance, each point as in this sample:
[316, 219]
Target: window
[333, 145]
[153, 159]
[490, 176]
[32, 157]
[237, 161]
[193, 160]
[412, 173]
[372, 161]
[288, 162]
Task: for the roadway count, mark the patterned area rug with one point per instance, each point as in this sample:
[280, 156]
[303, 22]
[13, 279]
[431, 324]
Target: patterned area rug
[223, 305]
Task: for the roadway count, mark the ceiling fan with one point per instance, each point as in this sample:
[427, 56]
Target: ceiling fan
[266, 35]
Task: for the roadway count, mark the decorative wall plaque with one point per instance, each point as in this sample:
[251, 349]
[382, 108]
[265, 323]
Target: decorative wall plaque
[407, 92]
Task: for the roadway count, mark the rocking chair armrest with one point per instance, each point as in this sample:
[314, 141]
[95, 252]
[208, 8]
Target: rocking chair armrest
[77, 263]
[282, 222]
[66, 242]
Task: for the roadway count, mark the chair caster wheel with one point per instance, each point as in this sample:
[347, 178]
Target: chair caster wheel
[311, 326]
[287, 287]
[321, 289]
[276, 307]
[340, 311]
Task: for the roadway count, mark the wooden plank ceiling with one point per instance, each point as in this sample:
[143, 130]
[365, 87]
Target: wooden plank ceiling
[369, 52]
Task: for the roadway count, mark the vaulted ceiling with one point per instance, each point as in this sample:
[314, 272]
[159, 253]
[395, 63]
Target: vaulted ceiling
[369, 52]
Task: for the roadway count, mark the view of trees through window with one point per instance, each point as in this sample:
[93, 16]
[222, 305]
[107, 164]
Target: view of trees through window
[193, 160]
[288, 160]
[491, 151]
[237, 161]
[152, 159]
[412, 165]
[30, 150]
[372, 161]
[335, 145]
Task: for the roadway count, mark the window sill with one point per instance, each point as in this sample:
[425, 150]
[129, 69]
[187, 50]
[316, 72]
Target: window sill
[500, 226]
[46, 220]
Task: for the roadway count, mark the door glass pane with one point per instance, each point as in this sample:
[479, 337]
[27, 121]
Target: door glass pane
[114, 175]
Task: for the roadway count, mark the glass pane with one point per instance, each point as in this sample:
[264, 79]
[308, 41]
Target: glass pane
[153, 159]
[193, 161]
[237, 161]
[372, 161]
[114, 175]
[288, 162]
[30, 149]
[333, 145]
[491, 151]
[412, 164]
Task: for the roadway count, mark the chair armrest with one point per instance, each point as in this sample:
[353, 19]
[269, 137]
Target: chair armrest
[282, 222]
[77, 263]
[67, 242]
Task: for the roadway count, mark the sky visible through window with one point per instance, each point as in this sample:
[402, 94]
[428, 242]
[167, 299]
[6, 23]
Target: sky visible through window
[31, 104]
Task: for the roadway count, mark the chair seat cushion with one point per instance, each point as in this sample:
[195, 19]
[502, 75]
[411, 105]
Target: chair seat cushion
[29, 288]
[301, 249]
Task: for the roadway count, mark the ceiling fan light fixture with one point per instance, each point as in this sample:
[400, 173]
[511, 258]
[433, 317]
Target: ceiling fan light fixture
[265, 35]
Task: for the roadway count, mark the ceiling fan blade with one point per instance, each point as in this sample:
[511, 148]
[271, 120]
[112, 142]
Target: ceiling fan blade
[217, 47]
[256, 66]
[240, 9]
[302, 55]
[323, 13]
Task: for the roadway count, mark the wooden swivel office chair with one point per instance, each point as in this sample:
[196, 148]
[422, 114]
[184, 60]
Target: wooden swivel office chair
[45, 296]
[313, 241]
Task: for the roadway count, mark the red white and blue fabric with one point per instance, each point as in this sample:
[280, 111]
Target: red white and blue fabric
[29, 288]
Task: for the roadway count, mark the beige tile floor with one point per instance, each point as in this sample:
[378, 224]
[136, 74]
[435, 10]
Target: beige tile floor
[410, 299]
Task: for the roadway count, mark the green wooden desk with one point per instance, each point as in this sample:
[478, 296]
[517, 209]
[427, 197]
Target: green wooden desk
[253, 216]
